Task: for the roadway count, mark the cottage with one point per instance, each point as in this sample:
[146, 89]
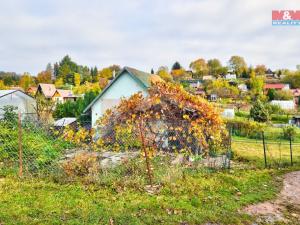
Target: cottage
[61, 96]
[278, 86]
[243, 87]
[31, 91]
[50, 92]
[208, 77]
[25, 103]
[128, 82]
[228, 113]
[46, 90]
[230, 76]
[286, 105]
[296, 95]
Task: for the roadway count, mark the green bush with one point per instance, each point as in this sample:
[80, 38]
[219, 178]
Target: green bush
[289, 132]
[243, 128]
[40, 149]
[259, 112]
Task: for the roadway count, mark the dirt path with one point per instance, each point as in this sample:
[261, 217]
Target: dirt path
[285, 208]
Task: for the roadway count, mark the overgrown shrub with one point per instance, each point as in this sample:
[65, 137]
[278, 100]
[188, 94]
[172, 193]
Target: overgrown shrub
[82, 165]
[259, 112]
[243, 128]
[169, 118]
[289, 132]
[40, 149]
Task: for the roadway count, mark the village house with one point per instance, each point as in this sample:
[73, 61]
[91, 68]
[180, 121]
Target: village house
[296, 95]
[128, 82]
[230, 76]
[61, 96]
[25, 104]
[31, 91]
[49, 91]
[277, 86]
[284, 104]
[46, 90]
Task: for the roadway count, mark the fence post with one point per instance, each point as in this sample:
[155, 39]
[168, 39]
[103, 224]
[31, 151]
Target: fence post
[264, 145]
[291, 151]
[20, 145]
[230, 147]
[145, 152]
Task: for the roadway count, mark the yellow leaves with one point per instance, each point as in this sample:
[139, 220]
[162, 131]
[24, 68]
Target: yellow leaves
[186, 117]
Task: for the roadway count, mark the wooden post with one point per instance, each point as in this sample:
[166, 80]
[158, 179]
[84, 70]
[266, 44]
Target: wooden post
[145, 152]
[291, 151]
[20, 145]
[264, 145]
[230, 148]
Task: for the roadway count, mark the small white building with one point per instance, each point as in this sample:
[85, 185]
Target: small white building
[286, 105]
[128, 82]
[230, 76]
[228, 113]
[25, 104]
[243, 87]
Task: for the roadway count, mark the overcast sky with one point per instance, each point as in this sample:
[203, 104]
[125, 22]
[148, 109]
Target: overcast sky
[144, 33]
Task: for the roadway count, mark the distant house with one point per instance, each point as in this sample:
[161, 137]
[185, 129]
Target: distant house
[212, 97]
[31, 91]
[286, 105]
[49, 91]
[230, 76]
[278, 86]
[128, 82]
[243, 87]
[228, 113]
[208, 77]
[296, 94]
[46, 90]
[61, 96]
[25, 103]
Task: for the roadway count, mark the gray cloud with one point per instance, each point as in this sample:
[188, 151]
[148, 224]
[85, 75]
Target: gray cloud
[143, 34]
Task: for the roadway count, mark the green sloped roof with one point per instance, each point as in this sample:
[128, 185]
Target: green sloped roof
[144, 77]
[141, 77]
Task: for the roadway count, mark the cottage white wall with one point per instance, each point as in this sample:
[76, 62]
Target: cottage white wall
[287, 105]
[24, 103]
[124, 86]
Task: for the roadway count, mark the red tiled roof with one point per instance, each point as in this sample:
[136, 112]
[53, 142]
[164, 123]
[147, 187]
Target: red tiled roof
[274, 86]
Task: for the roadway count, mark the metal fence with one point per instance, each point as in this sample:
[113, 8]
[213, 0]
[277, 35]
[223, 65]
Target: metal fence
[268, 149]
[30, 147]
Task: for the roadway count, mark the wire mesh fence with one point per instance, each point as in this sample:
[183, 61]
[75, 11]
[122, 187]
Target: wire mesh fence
[269, 149]
[29, 147]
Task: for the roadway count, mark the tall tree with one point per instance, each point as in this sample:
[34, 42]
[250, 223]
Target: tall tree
[237, 64]
[199, 67]
[164, 73]
[50, 70]
[176, 66]
[26, 81]
[214, 67]
[260, 69]
[77, 79]
[44, 77]
[256, 85]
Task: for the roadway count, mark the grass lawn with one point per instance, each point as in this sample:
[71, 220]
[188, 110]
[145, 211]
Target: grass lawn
[277, 151]
[188, 195]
